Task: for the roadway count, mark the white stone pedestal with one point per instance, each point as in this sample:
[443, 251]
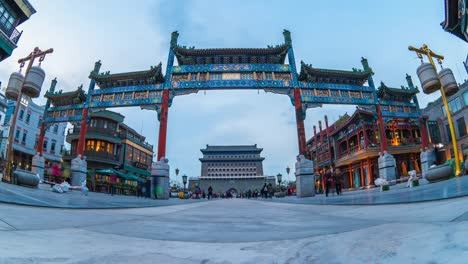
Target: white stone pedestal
[427, 159]
[78, 171]
[305, 185]
[160, 179]
[37, 166]
[387, 166]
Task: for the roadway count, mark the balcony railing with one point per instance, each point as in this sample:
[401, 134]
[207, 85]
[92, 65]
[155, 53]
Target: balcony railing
[13, 34]
[136, 140]
[99, 130]
[91, 154]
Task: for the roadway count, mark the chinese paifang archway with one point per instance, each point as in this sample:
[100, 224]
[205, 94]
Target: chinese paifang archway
[272, 69]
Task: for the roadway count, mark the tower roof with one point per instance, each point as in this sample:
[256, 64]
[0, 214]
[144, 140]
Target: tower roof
[269, 55]
[152, 76]
[66, 98]
[311, 74]
[396, 94]
[231, 148]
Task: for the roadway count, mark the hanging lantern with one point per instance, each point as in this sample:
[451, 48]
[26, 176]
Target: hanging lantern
[428, 77]
[32, 85]
[448, 82]
[14, 85]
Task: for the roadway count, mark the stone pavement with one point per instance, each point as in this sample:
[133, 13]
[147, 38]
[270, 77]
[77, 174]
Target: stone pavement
[456, 187]
[73, 199]
[452, 188]
[238, 231]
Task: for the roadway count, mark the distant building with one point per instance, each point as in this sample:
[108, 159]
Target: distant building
[110, 144]
[231, 169]
[26, 135]
[438, 127]
[12, 14]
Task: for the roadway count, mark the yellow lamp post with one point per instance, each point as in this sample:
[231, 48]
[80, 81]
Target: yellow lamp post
[424, 50]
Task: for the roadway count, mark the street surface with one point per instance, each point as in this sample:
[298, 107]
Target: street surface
[238, 231]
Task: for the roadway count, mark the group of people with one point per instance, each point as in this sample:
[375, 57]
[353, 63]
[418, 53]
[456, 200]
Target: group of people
[332, 183]
[266, 191]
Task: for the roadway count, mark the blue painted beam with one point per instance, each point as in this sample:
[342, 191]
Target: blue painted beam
[231, 68]
[401, 114]
[122, 89]
[231, 84]
[66, 107]
[62, 119]
[333, 86]
[126, 102]
[337, 100]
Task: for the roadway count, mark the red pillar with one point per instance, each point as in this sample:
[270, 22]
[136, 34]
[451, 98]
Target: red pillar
[300, 122]
[315, 137]
[82, 138]
[422, 122]
[40, 142]
[363, 180]
[369, 172]
[163, 125]
[366, 138]
[328, 141]
[383, 138]
[320, 132]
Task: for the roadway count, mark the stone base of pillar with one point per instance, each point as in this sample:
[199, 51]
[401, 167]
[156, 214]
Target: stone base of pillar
[37, 166]
[387, 166]
[160, 179]
[305, 180]
[427, 159]
[305, 186]
[78, 171]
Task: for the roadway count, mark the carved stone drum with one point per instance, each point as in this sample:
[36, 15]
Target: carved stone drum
[439, 173]
[26, 178]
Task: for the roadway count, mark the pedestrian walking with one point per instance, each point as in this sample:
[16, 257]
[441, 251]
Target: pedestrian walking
[328, 182]
[210, 192]
[112, 182]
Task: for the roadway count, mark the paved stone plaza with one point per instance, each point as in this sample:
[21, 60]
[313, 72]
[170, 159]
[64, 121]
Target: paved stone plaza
[236, 231]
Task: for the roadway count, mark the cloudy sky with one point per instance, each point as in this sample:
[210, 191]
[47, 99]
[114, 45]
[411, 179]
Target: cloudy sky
[134, 35]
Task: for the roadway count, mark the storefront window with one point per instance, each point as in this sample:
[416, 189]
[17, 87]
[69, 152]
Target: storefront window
[129, 154]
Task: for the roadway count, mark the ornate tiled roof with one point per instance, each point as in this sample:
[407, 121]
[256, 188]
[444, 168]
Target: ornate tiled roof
[271, 54]
[310, 74]
[61, 98]
[151, 76]
[230, 148]
[359, 113]
[395, 94]
[454, 19]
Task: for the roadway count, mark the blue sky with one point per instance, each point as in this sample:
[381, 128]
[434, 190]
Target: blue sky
[133, 35]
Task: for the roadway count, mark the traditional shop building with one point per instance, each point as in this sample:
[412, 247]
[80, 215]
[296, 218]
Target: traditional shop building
[351, 145]
[456, 18]
[234, 168]
[12, 14]
[112, 147]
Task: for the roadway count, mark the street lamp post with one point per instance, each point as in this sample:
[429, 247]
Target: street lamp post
[37, 53]
[177, 174]
[280, 179]
[288, 170]
[424, 50]
[184, 180]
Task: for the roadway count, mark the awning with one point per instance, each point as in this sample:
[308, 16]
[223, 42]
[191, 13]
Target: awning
[120, 174]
